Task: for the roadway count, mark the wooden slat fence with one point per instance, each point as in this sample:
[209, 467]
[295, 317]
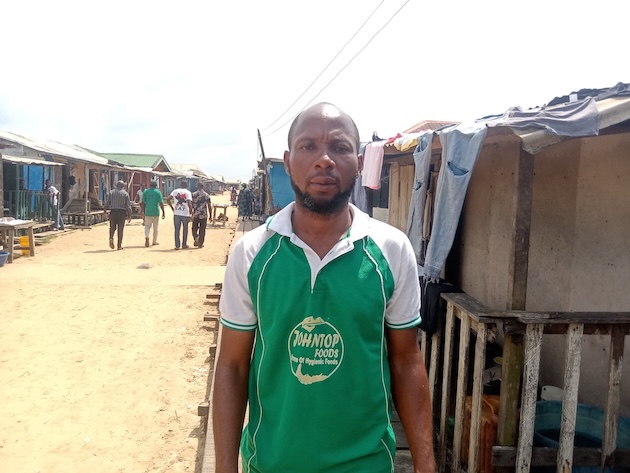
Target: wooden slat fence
[440, 354]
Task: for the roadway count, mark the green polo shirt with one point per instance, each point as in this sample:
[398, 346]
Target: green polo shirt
[319, 384]
[152, 198]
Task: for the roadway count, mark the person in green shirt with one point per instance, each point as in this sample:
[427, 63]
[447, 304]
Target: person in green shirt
[319, 314]
[151, 204]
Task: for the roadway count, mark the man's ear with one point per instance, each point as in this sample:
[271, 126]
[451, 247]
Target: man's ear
[360, 157]
[287, 166]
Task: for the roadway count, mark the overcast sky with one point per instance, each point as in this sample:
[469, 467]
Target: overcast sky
[193, 80]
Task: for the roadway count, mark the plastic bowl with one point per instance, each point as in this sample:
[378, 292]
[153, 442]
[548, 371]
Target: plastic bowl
[589, 428]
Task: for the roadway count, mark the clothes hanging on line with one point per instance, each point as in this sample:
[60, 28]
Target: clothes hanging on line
[372, 164]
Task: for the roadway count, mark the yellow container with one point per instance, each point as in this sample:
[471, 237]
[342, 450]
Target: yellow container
[25, 243]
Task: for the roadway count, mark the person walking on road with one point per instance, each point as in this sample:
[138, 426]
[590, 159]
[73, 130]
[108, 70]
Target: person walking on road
[151, 204]
[233, 196]
[119, 206]
[202, 212]
[53, 200]
[245, 202]
[182, 211]
[319, 313]
[138, 198]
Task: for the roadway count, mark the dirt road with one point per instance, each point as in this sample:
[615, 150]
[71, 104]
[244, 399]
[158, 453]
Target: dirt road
[102, 363]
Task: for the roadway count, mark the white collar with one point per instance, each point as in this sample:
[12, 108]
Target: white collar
[281, 223]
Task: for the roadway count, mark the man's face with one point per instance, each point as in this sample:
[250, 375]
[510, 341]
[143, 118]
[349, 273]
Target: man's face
[323, 162]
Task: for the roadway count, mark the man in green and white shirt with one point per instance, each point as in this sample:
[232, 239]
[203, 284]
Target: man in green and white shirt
[319, 309]
[151, 203]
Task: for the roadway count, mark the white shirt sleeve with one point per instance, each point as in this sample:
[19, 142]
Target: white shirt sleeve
[403, 308]
[237, 309]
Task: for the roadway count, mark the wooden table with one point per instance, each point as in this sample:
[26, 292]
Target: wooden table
[222, 217]
[8, 232]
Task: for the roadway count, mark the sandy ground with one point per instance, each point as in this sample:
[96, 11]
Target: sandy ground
[103, 364]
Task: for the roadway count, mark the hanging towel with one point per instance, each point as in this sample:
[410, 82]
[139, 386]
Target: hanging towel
[372, 164]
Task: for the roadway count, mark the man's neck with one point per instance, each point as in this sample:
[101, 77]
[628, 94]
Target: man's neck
[321, 231]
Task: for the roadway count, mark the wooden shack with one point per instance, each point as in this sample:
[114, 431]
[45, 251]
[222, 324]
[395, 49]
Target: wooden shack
[73, 173]
[542, 254]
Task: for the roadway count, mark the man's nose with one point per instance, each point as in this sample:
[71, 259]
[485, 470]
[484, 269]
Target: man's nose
[324, 161]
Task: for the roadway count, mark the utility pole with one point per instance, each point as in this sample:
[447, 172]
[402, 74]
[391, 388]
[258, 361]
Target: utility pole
[262, 150]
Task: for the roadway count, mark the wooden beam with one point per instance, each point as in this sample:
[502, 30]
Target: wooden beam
[477, 393]
[449, 335]
[615, 367]
[512, 369]
[545, 456]
[522, 207]
[460, 395]
[533, 344]
[572, 360]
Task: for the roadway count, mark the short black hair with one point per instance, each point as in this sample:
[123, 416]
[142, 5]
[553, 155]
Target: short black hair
[294, 124]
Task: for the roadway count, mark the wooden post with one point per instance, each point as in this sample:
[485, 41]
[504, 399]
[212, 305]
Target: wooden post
[477, 395]
[460, 395]
[87, 198]
[609, 443]
[572, 360]
[533, 342]
[512, 367]
[449, 335]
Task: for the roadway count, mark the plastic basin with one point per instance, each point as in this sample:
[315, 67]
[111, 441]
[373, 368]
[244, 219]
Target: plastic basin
[589, 429]
[4, 255]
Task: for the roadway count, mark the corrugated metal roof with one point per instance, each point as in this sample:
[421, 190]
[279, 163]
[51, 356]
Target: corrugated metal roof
[428, 125]
[612, 105]
[189, 170]
[53, 147]
[137, 168]
[31, 161]
[137, 160]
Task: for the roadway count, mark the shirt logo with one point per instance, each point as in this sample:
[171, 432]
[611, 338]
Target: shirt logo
[315, 350]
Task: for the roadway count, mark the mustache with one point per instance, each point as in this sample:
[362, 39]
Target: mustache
[325, 174]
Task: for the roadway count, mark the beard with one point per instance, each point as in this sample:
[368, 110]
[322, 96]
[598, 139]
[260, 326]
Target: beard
[327, 207]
